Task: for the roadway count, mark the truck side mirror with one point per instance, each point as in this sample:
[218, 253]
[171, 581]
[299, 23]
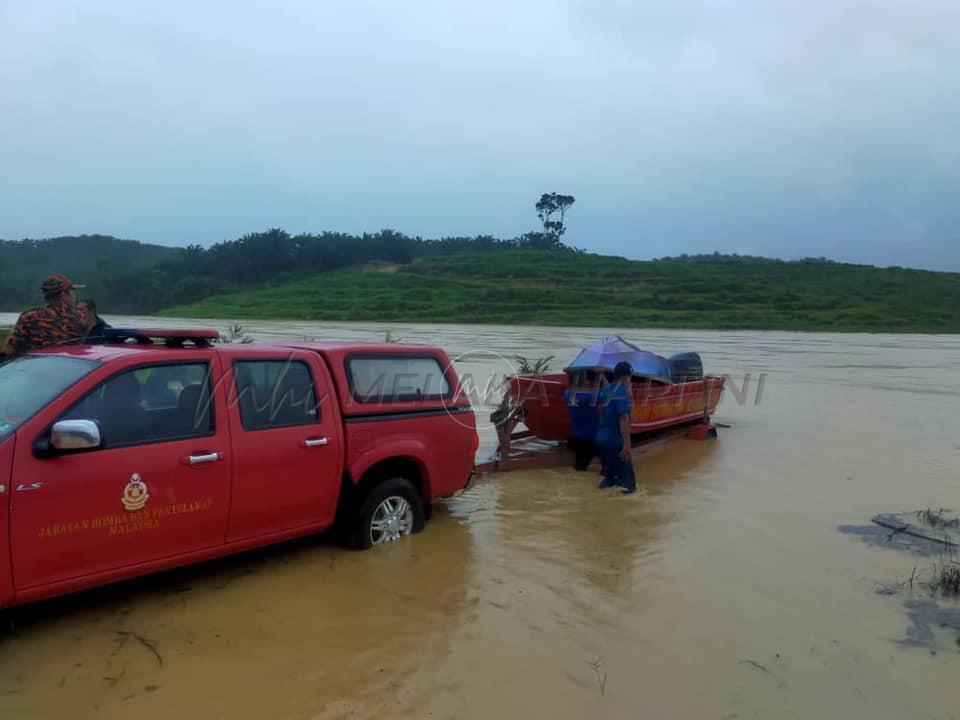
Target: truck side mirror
[75, 435]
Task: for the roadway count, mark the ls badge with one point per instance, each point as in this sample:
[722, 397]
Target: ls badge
[135, 494]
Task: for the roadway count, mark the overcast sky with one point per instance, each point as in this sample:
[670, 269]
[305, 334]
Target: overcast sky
[787, 129]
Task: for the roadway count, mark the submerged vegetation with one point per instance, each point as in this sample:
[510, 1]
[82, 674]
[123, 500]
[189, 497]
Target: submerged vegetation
[942, 579]
[945, 577]
[936, 518]
[927, 532]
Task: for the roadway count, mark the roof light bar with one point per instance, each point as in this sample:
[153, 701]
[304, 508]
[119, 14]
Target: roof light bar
[173, 337]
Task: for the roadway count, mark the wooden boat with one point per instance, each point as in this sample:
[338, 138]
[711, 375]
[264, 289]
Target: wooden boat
[537, 401]
[671, 398]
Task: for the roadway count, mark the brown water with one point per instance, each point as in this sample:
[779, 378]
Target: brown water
[723, 589]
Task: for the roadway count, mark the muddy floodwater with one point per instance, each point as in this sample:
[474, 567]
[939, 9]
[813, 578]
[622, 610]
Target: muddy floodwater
[723, 589]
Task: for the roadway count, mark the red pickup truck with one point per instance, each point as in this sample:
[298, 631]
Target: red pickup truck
[121, 459]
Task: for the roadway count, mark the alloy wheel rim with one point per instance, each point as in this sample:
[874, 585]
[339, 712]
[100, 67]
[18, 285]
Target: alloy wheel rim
[392, 519]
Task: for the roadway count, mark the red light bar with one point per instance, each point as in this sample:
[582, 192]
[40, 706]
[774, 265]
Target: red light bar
[163, 333]
[172, 336]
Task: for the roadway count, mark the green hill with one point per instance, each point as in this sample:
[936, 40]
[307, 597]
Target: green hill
[84, 258]
[391, 277]
[568, 288]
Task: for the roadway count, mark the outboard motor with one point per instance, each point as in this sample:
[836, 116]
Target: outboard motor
[685, 367]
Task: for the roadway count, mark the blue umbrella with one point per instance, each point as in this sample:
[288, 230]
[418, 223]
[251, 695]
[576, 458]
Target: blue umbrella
[611, 350]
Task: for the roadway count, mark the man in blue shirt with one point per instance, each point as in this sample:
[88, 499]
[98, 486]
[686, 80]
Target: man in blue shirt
[613, 433]
[581, 403]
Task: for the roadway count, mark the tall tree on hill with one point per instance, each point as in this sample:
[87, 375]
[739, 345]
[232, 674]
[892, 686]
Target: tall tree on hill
[548, 206]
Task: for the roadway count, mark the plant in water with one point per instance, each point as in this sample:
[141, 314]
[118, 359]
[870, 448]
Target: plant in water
[537, 366]
[936, 518]
[598, 669]
[945, 578]
[235, 334]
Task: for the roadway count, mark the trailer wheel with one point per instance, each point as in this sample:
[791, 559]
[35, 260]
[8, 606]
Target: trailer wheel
[391, 510]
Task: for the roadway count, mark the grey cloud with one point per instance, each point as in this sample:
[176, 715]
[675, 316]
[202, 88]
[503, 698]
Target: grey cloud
[775, 128]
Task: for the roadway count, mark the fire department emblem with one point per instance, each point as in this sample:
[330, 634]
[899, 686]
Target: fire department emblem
[135, 494]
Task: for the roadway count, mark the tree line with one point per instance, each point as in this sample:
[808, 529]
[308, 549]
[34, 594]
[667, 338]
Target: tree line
[125, 276]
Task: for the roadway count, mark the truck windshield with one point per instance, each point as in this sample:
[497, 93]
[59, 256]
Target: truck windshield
[28, 383]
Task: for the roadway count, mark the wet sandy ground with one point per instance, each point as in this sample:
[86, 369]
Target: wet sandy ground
[723, 589]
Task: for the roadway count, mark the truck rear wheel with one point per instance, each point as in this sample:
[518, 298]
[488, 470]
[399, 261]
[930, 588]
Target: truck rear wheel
[391, 510]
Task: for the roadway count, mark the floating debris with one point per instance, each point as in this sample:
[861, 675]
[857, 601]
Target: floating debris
[931, 533]
[755, 664]
[926, 524]
[149, 645]
[923, 532]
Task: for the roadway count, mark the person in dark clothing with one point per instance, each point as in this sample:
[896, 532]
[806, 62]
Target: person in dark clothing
[613, 432]
[581, 403]
[95, 334]
[58, 322]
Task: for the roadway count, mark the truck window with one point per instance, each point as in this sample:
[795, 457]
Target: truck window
[29, 382]
[149, 404]
[393, 378]
[275, 393]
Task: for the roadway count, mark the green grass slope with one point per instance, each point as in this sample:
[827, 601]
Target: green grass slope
[563, 288]
[84, 258]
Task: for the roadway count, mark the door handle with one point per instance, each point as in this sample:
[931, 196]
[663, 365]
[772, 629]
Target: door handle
[316, 442]
[203, 458]
[31, 486]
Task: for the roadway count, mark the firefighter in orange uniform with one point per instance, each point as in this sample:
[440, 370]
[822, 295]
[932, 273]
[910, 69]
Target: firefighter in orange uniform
[58, 322]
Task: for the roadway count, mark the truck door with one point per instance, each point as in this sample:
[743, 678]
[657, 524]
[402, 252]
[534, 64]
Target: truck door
[157, 486]
[6, 571]
[287, 447]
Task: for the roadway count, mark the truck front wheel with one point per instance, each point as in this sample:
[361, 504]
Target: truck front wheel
[392, 509]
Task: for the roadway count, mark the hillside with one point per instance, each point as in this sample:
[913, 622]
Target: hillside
[85, 258]
[566, 288]
[130, 277]
[388, 276]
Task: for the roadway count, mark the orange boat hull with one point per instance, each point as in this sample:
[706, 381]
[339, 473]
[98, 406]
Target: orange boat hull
[655, 405]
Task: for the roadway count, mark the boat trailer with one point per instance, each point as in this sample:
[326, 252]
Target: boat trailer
[522, 450]
[539, 445]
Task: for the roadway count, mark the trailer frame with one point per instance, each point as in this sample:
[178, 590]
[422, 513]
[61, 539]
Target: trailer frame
[522, 450]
